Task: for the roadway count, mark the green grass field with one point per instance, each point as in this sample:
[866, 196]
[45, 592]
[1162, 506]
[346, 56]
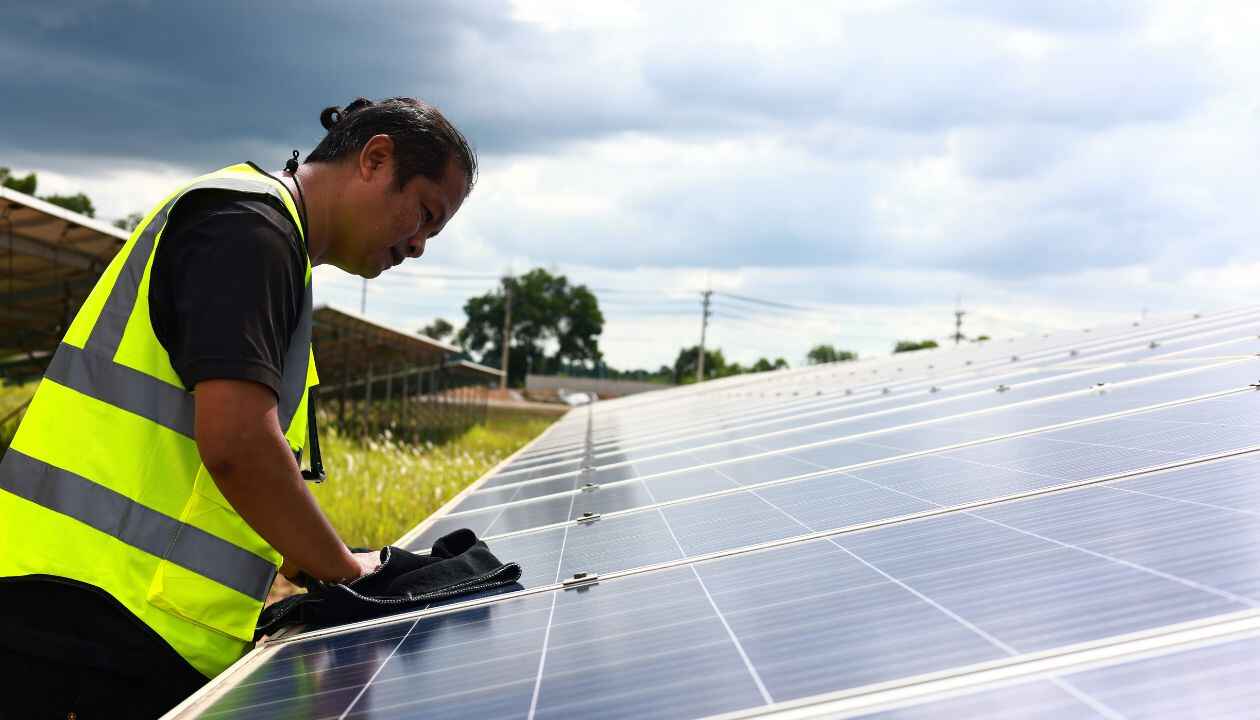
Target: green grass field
[378, 489]
[11, 397]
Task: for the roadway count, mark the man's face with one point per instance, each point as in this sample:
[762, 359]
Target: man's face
[390, 225]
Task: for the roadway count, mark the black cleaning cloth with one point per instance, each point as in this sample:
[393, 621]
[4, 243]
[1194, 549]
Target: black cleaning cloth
[459, 564]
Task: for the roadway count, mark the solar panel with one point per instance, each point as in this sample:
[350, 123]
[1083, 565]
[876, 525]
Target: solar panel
[620, 495]
[1213, 680]
[994, 529]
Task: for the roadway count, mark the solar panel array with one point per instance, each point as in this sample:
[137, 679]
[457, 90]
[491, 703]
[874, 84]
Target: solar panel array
[1062, 526]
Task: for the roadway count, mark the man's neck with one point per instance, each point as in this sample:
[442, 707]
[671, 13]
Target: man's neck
[313, 205]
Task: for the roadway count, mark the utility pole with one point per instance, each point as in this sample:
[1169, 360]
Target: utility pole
[363, 299]
[704, 326]
[507, 330]
[958, 316]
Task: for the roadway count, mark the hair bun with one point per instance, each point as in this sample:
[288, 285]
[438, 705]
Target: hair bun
[330, 117]
[333, 115]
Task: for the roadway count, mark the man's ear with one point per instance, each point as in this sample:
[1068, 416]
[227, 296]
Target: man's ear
[376, 156]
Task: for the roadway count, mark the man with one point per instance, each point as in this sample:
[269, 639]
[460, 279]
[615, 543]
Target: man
[153, 488]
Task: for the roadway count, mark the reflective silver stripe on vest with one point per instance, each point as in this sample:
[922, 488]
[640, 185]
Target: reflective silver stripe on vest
[136, 525]
[123, 387]
[296, 360]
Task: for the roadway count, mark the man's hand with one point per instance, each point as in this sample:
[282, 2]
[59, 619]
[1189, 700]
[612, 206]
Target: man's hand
[369, 562]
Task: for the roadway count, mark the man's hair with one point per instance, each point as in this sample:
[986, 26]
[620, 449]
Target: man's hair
[424, 140]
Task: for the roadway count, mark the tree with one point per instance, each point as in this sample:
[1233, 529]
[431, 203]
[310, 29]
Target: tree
[980, 338]
[437, 329]
[25, 185]
[762, 365]
[130, 222]
[78, 202]
[912, 345]
[685, 364]
[820, 354]
[546, 312]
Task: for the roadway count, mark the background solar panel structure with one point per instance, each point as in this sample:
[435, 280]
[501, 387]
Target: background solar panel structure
[747, 573]
[1136, 341]
[801, 414]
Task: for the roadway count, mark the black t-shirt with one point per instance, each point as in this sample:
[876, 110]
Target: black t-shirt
[226, 287]
[225, 293]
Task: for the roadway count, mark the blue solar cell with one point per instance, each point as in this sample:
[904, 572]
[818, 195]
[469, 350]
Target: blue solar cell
[618, 543]
[1205, 545]
[612, 498]
[502, 519]
[728, 521]
[1216, 681]
[1232, 484]
[687, 484]
[513, 493]
[541, 471]
[833, 501]
[758, 470]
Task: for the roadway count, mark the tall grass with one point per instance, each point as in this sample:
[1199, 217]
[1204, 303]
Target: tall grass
[379, 488]
[11, 398]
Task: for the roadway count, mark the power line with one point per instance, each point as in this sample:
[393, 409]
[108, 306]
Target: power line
[630, 309]
[724, 314]
[772, 312]
[750, 321]
[767, 303]
[634, 291]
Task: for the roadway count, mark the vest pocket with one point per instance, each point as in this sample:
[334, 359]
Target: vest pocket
[202, 601]
[231, 604]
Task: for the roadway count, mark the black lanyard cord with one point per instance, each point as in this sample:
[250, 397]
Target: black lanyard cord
[316, 473]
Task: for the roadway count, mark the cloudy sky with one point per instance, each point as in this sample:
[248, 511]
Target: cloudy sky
[1053, 164]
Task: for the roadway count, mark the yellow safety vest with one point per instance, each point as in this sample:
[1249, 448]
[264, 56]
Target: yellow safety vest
[103, 482]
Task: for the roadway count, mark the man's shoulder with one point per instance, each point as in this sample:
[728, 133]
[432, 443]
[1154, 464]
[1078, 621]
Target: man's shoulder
[232, 207]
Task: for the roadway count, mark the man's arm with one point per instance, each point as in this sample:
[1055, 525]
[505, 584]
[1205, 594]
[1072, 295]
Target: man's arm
[238, 436]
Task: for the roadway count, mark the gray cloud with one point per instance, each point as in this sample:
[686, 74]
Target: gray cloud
[192, 83]
[864, 107]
